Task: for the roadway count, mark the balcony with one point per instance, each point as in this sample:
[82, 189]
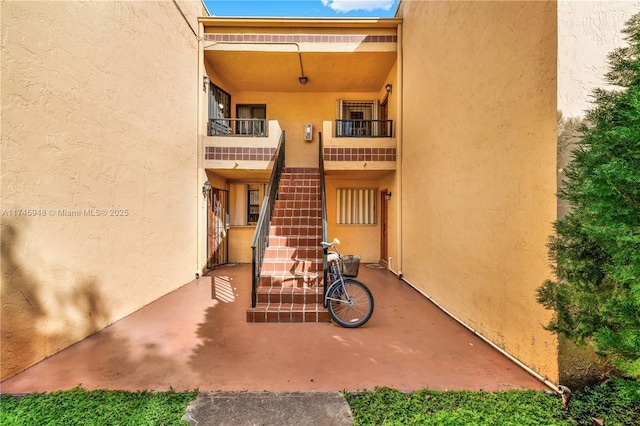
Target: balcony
[363, 128]
[237, 127]
[241, 144]
[359, 145]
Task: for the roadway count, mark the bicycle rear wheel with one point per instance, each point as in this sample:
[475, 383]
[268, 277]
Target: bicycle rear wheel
[351, 311]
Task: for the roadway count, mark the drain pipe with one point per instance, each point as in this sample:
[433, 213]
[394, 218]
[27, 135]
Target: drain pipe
[551, 385]
[200, 243]
[399, 130]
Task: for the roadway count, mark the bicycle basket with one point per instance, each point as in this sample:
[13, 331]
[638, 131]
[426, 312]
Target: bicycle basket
[350, 264]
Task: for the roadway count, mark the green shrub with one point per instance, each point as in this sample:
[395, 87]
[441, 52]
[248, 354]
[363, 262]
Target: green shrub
[82, 407]
[596, 247]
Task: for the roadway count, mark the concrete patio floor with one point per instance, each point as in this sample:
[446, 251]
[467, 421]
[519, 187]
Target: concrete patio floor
[196, 338]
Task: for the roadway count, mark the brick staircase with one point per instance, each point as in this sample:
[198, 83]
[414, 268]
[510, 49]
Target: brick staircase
[290, 283]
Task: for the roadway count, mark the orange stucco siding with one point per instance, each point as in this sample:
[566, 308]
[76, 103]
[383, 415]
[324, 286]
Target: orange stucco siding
[478, 165]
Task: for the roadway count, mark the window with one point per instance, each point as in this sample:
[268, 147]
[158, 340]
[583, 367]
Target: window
[245, 202]
[363, 119]
[355, 117]
[253, 210]
[219, 109]
[356, 206]
[252, 120]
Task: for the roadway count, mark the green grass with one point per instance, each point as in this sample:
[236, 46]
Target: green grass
[616, 402]
[82, 407]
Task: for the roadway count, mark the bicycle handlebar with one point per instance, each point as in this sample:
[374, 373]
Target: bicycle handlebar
[327, 245]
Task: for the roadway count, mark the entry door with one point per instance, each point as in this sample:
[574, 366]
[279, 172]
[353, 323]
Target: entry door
[384, 221]
[217, 227]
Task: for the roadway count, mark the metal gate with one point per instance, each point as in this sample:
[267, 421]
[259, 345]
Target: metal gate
[217, 227]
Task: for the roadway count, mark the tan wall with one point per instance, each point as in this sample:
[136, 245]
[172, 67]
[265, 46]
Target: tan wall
[293, 111]
[478, 164]
[363, 240]
[98, 112]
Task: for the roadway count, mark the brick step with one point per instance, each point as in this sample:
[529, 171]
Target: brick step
[304, 206]
[295, 230]
[292, 185]
[301, 173]
[291, 266]
[294, 295]
[307, 279]
[289, 287]
[291, 212]
[295, 240]
[288, 313]
[292, 253]
[296, 221]
[298, 196]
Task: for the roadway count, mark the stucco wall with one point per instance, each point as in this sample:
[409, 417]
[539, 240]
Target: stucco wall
[478, 165]
[98, 117]
[587, 32]
[293, 111]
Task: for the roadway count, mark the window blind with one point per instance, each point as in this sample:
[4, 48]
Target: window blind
[356, 206]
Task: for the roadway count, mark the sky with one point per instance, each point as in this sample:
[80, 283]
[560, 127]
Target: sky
[303, 8]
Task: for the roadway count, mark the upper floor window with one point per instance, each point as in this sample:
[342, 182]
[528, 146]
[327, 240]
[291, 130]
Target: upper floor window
[362, 119]
[252, 120]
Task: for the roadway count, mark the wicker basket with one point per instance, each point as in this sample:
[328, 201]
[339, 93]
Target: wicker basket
[350, 265]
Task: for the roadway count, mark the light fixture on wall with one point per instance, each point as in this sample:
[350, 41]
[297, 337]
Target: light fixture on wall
[206, 188]
[303, 80]
[388, 87]
[387, 196]
[205, 82]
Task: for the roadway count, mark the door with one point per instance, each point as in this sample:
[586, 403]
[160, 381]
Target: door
[217, 227]
[384, 221]
[251, 120]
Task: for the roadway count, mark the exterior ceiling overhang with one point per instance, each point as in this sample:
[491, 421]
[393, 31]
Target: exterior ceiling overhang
[271, 55]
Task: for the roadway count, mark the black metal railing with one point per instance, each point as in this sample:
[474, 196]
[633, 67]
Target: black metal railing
[237, 127]
[364, 128]
[261, 236]
[323, 200]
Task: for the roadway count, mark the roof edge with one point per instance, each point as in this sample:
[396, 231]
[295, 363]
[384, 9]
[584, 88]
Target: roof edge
[299, 22]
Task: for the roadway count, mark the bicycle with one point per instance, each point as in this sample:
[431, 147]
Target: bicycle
[350, 302]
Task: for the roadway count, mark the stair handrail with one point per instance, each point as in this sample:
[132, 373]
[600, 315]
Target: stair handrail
[323, 200]
[261, 236]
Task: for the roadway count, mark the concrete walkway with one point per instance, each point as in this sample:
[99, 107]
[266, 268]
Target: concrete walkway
[196, 338]
[269, 409]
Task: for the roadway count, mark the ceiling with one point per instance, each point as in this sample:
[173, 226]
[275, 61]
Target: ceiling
[269, 71]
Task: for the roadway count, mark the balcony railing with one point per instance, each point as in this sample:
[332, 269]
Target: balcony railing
[237, 127]
[364, 128]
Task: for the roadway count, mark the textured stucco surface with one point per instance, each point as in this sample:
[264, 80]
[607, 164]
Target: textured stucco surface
[98, 114]
[478, 167]
[587, 32]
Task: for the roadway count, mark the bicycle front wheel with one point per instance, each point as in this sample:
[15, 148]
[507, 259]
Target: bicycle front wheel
[352, 306]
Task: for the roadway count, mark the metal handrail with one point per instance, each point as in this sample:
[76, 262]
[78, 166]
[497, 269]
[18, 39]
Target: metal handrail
[363, 128]
[238, 127]
[323, 199]
[261, 236]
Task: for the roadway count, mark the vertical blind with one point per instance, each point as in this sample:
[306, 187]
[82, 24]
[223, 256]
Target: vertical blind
[356, 206]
